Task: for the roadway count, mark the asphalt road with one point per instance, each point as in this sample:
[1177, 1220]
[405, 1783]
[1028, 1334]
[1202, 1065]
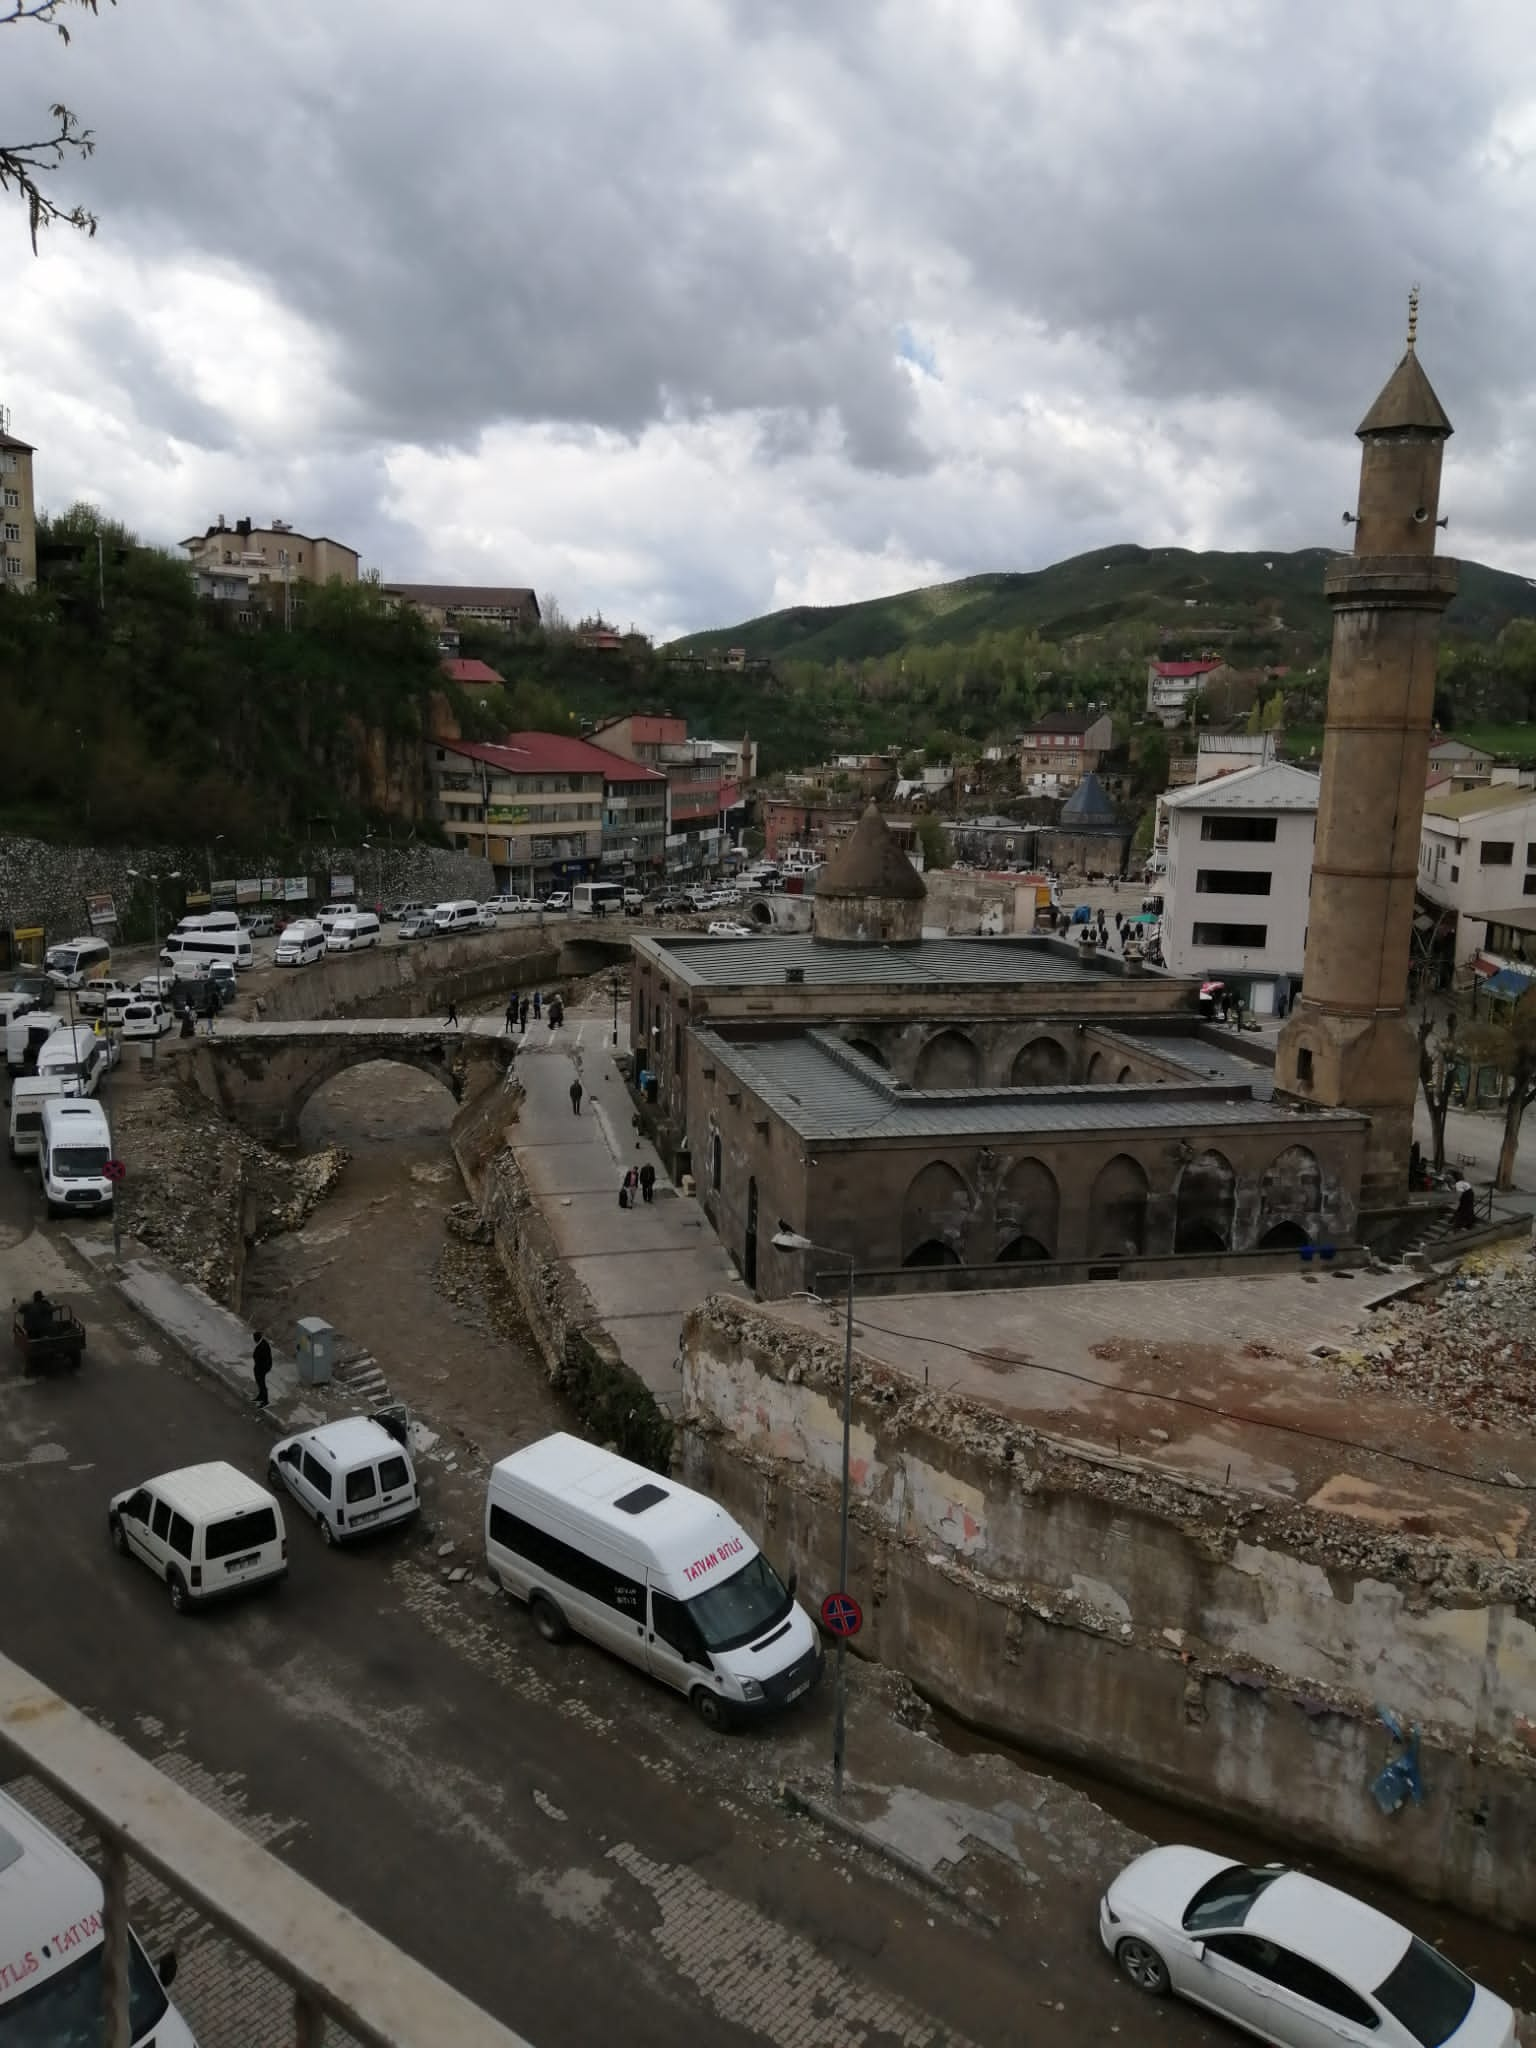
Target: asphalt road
[546, 1829]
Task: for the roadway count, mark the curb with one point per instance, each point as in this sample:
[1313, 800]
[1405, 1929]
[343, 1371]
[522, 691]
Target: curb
[811, 1807]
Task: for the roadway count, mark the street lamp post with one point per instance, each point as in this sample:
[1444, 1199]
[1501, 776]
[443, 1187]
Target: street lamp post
[787, 1240]
[613, 984]
[154, 882]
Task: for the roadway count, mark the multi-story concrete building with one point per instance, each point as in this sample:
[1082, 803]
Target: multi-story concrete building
[272, 556]
[1065, 744]
[699, 795]
[1477, 861]
[544, 808]
[1173, 685]
[1239, 876]
[511, 609]
[18, 557]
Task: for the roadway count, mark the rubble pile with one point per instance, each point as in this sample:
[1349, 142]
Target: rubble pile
[199, 1190]
[1469, 1353]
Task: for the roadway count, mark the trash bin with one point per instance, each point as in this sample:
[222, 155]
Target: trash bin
[313, 1350]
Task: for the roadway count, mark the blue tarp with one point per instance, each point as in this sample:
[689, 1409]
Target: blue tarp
[1509, 981]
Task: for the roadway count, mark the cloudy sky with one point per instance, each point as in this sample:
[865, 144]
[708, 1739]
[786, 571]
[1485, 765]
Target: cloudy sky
[691, 309]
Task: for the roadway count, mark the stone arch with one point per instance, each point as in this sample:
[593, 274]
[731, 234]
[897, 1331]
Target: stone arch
[931, 1252]
[948, 1060]
[270, 1101]
[1206, 1205]
[1042, 1062]
[1123, 1076]
[870, 1050]
[1117, 1209]
[1020, 1251]
[1098, 1069]
[1291, 1191]
[1028, 1206]
[1284, 1237]
[935, 1211]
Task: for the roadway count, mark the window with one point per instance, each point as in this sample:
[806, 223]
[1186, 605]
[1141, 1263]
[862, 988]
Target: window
[577, 1568]
[639, 1498]
[361, 1485]
[1253, 831]
[1530, 854]
[677, 1629]
[12, 530]
[13, 565]
[1226, 1899]
[1455, 872]
[715, 1158]
[181, 1536]
[393, 1473]
[12, 497]
[1528, 886]
[1231, 882]
[1247, 935]
[1304, 1063]
[745, 1606]
[160, 1521]
[241, 1532]
[1496, 853]
[7, 462]
[1293, 1973]
[1429, 1995]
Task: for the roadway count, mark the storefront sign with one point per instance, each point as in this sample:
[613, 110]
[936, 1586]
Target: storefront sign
[100, 910]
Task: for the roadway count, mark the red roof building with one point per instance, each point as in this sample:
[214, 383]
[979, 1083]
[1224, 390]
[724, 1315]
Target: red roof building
[547, 809]
[467, 672]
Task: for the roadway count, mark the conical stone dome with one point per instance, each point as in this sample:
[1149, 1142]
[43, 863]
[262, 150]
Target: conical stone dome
[869, 893]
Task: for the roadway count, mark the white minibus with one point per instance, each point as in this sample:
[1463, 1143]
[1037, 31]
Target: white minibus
[352, 931]
[597, 899]
[28, 1096]
[52, 1948]
[77, 961]
[76, 1055]
[656, 1573]
[456, 917]
[73, 1150]
[26, 1033]
[301, 944]
[217, 940]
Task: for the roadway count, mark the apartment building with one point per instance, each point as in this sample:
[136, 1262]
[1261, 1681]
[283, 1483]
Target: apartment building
[1239, 878]
[447, 606]
[18, 557]
[265, 558]
[1477, 862]
[546, 809]
[1066, 745]
[700, 794]
[1173, 685]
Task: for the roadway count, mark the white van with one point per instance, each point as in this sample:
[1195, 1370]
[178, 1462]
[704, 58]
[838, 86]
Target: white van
[206, 1530]
[73, 1150]
[77, 961]
[302, 943]
[651, 1570]
[76, 1055]
[26, 1033]
[216, 940]
[456, 917]
[352, 931]
[352, 1476]
[28, 1096]
[52, 1948]
[597, 899]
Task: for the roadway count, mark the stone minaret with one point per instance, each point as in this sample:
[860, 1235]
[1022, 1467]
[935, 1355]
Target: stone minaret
[1347, 1043]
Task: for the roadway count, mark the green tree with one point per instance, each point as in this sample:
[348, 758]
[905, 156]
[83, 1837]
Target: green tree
[1438, 1053]
[933, 839]
[1510, 1046]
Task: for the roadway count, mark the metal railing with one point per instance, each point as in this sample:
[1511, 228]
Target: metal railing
[337, 1968]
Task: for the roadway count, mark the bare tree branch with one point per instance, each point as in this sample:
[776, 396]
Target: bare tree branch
[25, 165]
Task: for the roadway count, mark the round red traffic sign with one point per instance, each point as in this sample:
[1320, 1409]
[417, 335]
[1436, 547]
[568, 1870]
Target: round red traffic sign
[841, 1614]
[115, 1170]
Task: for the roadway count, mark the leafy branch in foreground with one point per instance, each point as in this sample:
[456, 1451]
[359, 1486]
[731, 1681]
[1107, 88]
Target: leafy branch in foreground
[25, 165]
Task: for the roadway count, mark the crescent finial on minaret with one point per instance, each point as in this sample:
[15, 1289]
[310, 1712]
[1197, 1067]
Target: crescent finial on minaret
[1413, 313]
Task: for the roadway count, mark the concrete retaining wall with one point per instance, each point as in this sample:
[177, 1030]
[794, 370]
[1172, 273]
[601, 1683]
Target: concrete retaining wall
[610, 1403]
[45, 884]
[414, 980]
[1169, 1638]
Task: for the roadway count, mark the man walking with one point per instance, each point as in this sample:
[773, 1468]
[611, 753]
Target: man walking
[647, 1181]
[522, 1017]
[576, 1098]
[453, 1013]
[511, 1013]
[261, 1365]
[538, 1003]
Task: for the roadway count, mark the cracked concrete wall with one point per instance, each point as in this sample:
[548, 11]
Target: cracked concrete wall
[1189, 1642]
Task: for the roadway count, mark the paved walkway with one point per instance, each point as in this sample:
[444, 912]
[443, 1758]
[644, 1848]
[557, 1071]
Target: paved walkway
[643, 1268]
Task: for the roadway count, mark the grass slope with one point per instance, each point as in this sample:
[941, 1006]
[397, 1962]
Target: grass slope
[1176, 588]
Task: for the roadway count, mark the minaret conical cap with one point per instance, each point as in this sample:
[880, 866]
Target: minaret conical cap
[1406, 400]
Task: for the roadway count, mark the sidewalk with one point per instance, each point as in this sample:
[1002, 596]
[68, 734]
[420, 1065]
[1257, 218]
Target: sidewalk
[643, 1268]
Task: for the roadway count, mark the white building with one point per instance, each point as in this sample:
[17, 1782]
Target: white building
[1477, 859]
[1239, 877]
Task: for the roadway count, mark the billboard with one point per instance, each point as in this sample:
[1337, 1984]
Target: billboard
[343, 885]
[508, 814]
[100, 910]
[293, 888]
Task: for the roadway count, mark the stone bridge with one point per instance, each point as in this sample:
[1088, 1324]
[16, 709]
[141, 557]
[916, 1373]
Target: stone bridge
[261, 1075]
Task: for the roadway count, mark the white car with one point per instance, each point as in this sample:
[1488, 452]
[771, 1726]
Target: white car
[353, 1476]
[157, 985]
[487, 919]
[728, 928]
[1289, 1959]
[144, 1017]
[92, 999]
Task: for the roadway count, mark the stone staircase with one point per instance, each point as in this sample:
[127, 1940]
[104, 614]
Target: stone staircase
[357, 1372]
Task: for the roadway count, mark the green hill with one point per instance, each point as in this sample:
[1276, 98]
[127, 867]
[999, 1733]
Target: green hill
[1210, 598]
